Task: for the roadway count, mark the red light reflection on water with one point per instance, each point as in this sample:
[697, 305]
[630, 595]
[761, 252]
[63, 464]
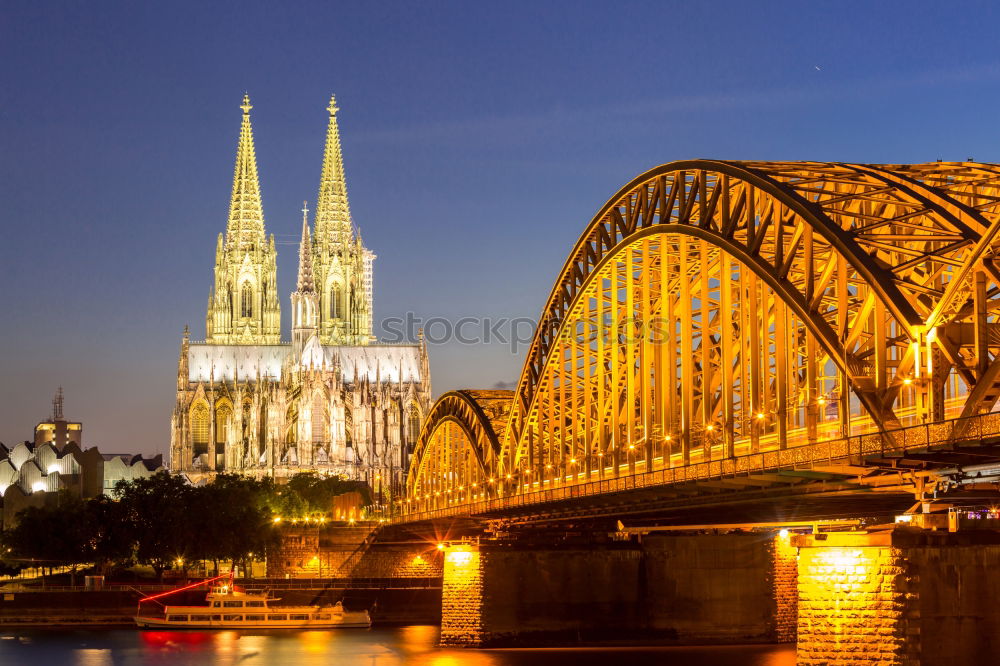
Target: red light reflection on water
[169, 638]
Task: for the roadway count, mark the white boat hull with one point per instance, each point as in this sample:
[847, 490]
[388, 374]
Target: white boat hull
[230, 608]
[362, 622]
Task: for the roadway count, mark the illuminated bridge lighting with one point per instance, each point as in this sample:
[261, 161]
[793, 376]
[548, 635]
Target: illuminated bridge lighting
[735, 309]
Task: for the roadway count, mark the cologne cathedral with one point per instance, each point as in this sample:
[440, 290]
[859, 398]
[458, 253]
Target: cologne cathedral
[333, 400]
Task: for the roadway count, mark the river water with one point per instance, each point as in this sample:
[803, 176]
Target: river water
[393, 646]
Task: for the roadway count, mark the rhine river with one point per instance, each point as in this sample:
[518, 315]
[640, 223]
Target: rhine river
[346, 647]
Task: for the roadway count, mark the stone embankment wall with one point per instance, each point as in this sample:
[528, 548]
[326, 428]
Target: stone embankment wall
[342, 552]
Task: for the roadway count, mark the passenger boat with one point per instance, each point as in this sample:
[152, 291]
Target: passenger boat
[227, 607]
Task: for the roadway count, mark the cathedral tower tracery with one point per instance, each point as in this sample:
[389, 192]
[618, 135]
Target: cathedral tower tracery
[342, 263]
[243, 304]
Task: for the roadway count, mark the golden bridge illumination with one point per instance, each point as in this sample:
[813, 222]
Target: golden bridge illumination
[713, 310]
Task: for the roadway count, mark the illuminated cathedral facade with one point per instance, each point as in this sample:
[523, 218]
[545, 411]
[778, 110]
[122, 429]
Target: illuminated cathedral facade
[332, 400]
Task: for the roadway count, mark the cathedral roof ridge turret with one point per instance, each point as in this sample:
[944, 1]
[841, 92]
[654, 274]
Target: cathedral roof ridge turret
[306, 282]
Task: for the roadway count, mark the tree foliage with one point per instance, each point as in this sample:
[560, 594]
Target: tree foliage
[317, 492]
[71, 532]
[158, 511]
[165, 522]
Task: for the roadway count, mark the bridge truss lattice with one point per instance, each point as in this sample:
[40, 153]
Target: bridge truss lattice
[718, 309]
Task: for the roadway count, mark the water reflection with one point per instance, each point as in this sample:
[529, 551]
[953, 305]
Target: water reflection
[94, 657]
[412, 645]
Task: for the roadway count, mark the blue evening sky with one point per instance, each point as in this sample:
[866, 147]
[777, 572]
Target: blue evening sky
[479, 139]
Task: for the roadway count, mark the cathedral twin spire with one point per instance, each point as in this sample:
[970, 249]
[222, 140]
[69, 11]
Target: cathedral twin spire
[333, 214]
[341, 262]
[243, 304]
[246, 212]
[333, 291]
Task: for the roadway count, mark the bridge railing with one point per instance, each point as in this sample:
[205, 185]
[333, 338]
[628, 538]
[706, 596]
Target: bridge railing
[856, 450]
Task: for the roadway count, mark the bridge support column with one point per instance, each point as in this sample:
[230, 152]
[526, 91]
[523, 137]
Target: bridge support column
[721, 588]
[503, 595]
[904, 597]
[462, 597]
[732, 588]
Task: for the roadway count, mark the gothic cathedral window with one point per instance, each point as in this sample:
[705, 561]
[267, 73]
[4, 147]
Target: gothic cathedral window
[348, 428]
[223, 414]
[413, 423]
[319, 419]
[246, 301]
[292, 420]
[335, 306]
[247, 413]
[199, 428]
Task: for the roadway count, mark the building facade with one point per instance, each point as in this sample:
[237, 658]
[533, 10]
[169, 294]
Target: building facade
[333, 399]
[57, 430]
[34, 473]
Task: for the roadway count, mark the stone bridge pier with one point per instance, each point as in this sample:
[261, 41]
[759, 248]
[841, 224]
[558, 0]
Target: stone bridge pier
[899, 597]
[902, 596]
[733, 588]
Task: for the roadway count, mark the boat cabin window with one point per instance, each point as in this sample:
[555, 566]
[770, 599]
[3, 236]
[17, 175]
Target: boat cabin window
[279, 617]
[232, 618]
[216, 604]
[255, 604]
[201, 618]
[323, 616]
[255, 618]
[177, 618]
[216, 618]
[298, 617]
[232, 604]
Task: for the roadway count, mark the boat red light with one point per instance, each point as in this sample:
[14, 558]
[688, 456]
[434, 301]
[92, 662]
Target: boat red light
[186, 587]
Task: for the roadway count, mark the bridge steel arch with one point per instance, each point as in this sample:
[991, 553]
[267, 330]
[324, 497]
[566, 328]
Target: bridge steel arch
[455, 456]
[715, 307]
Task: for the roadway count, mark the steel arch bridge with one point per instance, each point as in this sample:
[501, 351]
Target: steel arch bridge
[719, 317]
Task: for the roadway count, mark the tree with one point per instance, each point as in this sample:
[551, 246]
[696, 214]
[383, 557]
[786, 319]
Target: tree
[235, 518]
[56, 535]
[159, 511]
[318, 492]
[111, 538]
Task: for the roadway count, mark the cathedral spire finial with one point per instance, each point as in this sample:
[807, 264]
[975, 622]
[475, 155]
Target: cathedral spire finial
[246, 106]
[333, 108]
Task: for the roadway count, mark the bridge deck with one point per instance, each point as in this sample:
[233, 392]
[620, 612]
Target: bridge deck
[866, 463]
